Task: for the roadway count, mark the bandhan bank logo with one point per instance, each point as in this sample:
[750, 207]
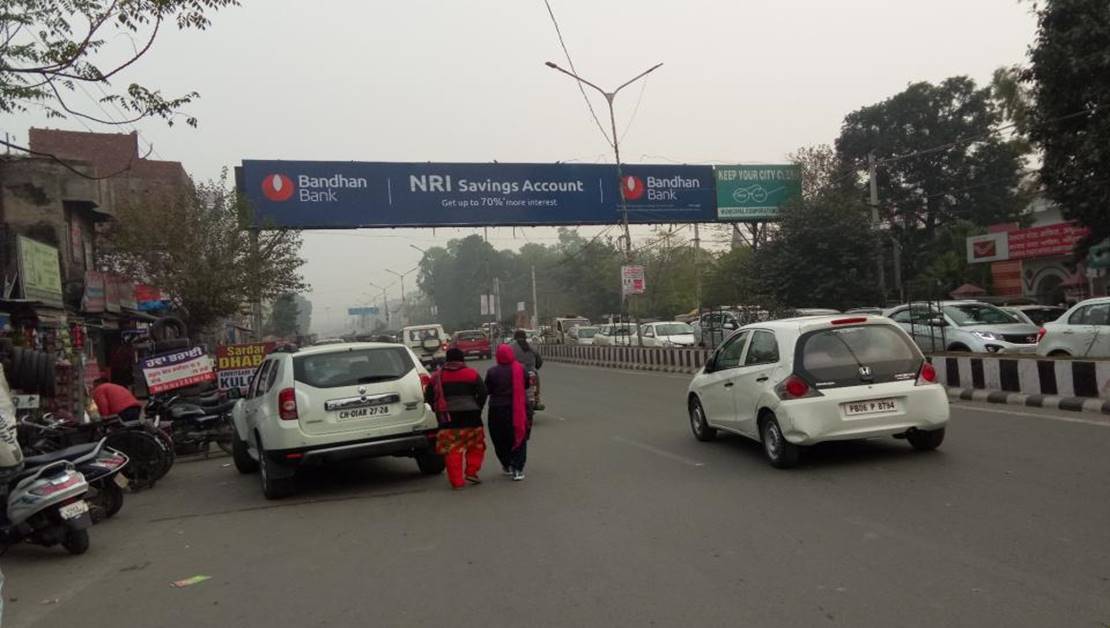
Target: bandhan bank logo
[632, 188]
[278, 187]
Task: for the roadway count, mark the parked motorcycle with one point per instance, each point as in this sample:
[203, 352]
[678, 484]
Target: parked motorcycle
[194, 423]
[44, 505]
[149, 457]
[100, 465]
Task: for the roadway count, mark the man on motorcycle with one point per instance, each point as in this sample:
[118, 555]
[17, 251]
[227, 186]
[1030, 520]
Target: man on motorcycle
[532, 362]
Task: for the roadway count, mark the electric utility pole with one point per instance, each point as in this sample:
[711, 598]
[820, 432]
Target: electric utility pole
[874, 183]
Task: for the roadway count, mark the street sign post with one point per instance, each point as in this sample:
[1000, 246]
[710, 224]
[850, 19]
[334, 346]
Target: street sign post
[632, 280]
[362, 311]
[755, 193]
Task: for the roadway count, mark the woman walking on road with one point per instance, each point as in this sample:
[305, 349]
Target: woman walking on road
[508, 412]
[458, 394]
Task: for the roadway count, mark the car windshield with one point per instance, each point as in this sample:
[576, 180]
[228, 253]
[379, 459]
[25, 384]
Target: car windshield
[978, 314]
[1043, 315]
[673, 329]
[428, 333]
[587, 332]
[843, 356]
[349, 368]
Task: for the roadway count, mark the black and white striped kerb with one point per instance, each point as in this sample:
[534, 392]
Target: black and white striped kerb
[1086, 379]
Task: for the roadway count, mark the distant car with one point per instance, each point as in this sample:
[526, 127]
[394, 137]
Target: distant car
[428, 342]
[714, 326]
[1082, 332]
[965, 326]
[330, 403]
[563, 324]
[610, 335]
[796, 382]
[581, 335]
[1036, 314]
[668, 334]
[473, 343]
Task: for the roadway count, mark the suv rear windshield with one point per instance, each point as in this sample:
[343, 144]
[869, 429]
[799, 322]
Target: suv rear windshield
[842, 356]
[470, 335]
[424, 333]
[350, 368]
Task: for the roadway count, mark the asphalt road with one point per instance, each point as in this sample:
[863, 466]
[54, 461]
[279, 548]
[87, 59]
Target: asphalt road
[624, 520]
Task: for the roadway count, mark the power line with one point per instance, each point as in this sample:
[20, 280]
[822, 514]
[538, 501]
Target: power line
[563, 45]
[636, 109]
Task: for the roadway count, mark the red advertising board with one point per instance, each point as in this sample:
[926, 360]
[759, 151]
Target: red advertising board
[1047, 241]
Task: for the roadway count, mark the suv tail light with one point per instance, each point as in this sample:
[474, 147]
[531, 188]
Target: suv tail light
[1040, 333]
[927, 374]
[795, 387]
[287, 404]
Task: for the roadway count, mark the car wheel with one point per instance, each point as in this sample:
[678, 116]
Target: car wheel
[272, 487]
[1059, 353]
[698, 425]
[958, 348]
[430, 462]
[243, 462]
[781, 453]
[926, 440]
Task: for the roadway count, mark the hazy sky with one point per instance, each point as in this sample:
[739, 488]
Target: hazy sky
[745, 81]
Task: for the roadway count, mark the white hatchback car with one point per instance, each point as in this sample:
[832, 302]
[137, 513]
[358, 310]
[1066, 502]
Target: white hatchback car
[616, 335]
[802, 381]
[333, 402]
[1082, 332]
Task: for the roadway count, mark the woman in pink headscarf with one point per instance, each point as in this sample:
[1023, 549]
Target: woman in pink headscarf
[508, 412]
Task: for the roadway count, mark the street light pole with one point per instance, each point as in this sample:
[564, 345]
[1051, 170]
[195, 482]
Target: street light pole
[401, 276]
[609, 97]
[385, 302]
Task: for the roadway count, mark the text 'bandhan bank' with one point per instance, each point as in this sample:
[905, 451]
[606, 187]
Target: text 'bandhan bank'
[343, 195]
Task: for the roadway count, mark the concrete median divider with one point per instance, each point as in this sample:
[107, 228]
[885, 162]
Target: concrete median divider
[660, 359]
[1061, 383]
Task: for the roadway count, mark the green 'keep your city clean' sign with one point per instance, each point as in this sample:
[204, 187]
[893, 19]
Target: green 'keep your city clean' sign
[755, 193]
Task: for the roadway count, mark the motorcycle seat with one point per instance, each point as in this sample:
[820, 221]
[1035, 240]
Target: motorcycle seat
[69, 453]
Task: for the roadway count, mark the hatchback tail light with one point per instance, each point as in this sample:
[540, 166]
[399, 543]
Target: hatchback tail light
[1040, 333]
[927, 374]
[795, 387]
[425, 381]
[287, 404]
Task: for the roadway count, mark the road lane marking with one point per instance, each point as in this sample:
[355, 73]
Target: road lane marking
[658, 452]
[1049, 417]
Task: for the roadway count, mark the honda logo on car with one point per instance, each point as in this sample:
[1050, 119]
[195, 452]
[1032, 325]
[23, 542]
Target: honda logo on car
[279, 187]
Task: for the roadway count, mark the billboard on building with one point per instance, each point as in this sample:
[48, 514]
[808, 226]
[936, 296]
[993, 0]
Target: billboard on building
[339, 195]
[40, 273]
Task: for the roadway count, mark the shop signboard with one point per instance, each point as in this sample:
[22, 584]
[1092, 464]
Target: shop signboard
[40, 272]
[345, 195]
[989, 247]
[95, 298]
[236, 364]
[179, 369]
[755, 193]
[111, 293]
[1047, 241]
[632, 280]
[127, 295]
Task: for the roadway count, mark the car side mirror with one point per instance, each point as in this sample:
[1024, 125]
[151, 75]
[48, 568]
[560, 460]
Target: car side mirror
[731, 326]
[938, 322]
[711, 363]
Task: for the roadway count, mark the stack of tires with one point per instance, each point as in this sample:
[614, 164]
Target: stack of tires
[28, 370]
[169, 334]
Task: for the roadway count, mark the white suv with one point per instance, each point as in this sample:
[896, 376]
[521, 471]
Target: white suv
[333, 402]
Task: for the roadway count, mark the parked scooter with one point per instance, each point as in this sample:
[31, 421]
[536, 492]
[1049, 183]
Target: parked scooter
[44, 505]
[193, 426]
[99, 464]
